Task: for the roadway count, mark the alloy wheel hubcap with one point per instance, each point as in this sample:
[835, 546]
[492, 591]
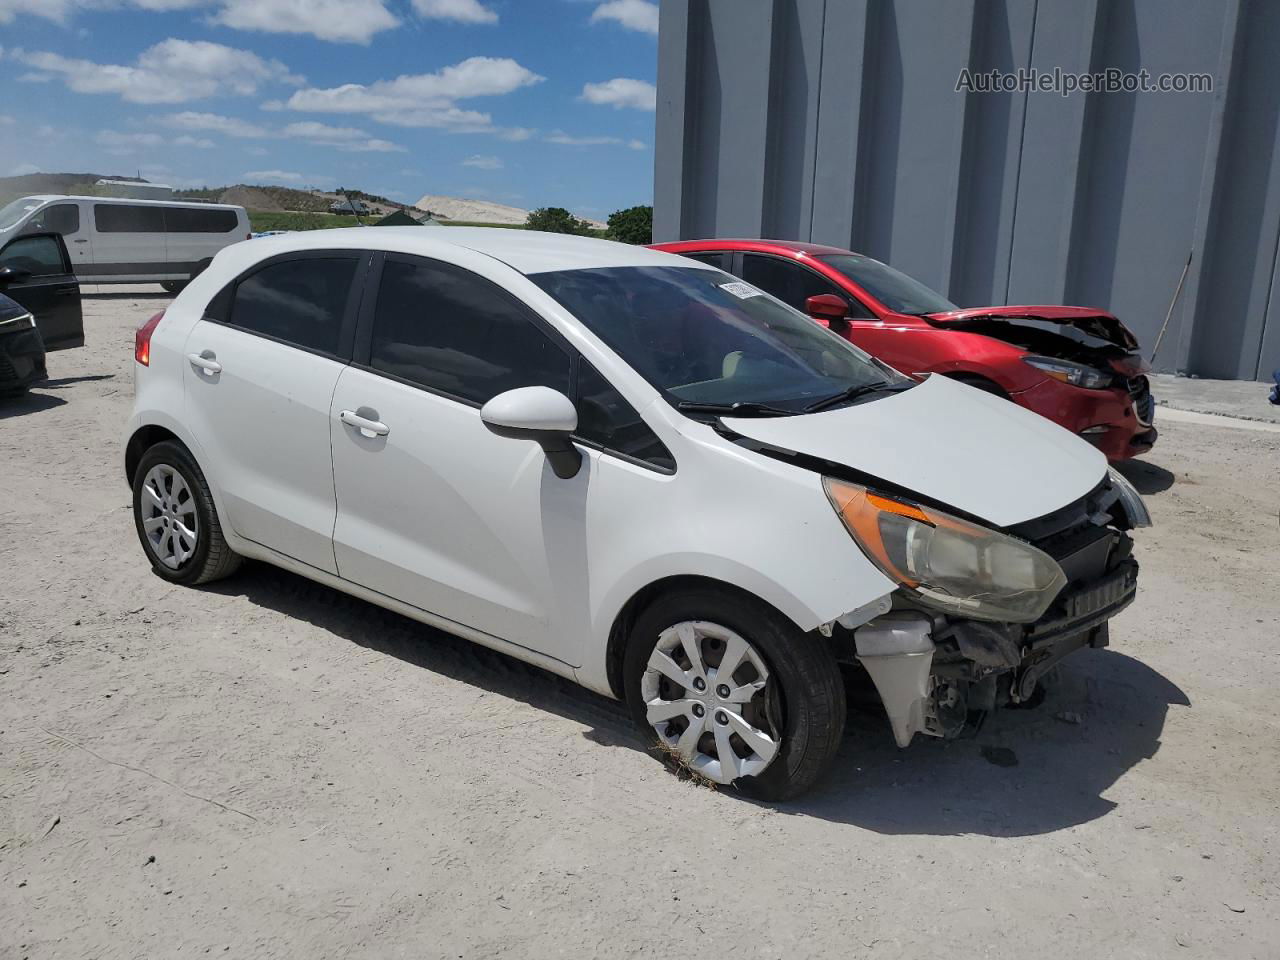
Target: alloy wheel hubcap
[706, 693]
[169, 517]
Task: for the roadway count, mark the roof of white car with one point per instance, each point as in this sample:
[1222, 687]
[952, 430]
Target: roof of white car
[528, 251]
[150, 201]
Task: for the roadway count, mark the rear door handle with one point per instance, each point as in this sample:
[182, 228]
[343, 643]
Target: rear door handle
[367, 426]
[205, 361]
[82, 240]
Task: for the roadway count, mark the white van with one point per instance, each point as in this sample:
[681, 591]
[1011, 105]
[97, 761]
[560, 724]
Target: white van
[115, 240]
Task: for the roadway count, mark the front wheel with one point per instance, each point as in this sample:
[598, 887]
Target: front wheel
[728, 690]
[174, 286]
[175, 517]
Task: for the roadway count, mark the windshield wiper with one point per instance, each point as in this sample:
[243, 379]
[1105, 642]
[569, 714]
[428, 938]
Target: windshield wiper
[853, 393]
[743, 408]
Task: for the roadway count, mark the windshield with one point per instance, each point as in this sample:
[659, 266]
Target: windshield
[13, 212]
[702, 337]
[891, 287]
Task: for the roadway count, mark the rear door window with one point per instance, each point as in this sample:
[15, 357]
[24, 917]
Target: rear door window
[127, 218]
[447, 329]
[301, 301]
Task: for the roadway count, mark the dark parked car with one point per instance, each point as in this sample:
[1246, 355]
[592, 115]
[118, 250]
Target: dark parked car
[39, 308]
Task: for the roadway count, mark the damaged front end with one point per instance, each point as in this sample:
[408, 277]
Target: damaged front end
[939, 672]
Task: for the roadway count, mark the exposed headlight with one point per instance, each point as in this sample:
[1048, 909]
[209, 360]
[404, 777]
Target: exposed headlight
[949, 563]
[24, 322]
[1134, 507]
[1076, 374]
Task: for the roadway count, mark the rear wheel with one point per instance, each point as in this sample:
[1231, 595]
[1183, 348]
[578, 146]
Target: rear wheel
[728, 690]
[174, 286]
[174, 515]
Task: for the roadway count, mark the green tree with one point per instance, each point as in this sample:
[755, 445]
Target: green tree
[556, 220]
[632, 225]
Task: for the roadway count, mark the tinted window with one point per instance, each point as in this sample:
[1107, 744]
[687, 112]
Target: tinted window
[604, 417]
[195, 220]
[297, 301]
[61, 218]
[894, 289]
[789, 282]
[127, 218]
[39, 256]
[450, 330]
[718, 260]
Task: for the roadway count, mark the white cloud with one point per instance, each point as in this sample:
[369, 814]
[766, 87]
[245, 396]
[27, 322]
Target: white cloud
[515, 134]
[60, 11]
[632, 14]
[637, 145]
[350, 21]
[186, 140]
[172, 71]
[350, 139]
[464, 11]
[559, 136]
[120, 143]
[423, 100]
[5, 119]
[622, 92]
[34, 77]
[23, 169]
[278, 176]
[214, 123]
[481, 162]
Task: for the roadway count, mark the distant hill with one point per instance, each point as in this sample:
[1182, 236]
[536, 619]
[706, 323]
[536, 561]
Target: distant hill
[73, 183]
[479, 211]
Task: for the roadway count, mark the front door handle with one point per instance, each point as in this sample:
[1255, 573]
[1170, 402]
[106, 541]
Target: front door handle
[205, 361]
[81, 240]
[369, 425]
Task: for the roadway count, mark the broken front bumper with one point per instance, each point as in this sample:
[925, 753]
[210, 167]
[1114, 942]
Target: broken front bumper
[939, 676]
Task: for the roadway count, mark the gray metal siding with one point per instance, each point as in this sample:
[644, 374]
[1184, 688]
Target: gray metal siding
[837, 121]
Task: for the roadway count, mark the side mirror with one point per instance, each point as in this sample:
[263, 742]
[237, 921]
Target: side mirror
[542, 415]
[827, 308]
[10, 275]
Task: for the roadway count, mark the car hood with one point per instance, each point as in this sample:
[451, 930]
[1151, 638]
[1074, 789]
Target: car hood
[1096, 323]
[950, 443]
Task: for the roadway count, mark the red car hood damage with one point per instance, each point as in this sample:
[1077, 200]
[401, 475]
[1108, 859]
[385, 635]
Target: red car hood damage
[1096, 323]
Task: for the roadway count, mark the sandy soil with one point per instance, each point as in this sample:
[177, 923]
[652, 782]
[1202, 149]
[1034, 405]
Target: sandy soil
[267, 768]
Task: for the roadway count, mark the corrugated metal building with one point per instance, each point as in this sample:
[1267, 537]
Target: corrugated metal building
[839, 121]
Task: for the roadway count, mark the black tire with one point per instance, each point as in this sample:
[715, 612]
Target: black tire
[174, 286]
[802, 672]
[980, 383]
[212, 559]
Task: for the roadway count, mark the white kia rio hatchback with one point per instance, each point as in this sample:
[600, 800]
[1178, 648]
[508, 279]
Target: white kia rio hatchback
[633, 470]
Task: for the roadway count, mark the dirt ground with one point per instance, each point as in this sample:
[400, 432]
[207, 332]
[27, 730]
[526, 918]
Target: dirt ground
[267, 768]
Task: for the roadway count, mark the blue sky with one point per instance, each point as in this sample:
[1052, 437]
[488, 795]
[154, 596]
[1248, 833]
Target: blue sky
[526, 102]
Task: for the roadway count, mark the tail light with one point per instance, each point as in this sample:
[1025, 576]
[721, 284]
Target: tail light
[142, 339]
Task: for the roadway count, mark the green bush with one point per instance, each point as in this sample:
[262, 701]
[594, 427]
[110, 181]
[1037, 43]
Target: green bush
[632, 225]
[557, 220]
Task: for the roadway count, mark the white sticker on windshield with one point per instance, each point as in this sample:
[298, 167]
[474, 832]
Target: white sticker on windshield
[743, 291]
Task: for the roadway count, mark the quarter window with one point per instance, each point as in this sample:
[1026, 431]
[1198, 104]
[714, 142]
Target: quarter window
[195, 220]
[446, 329]
[127, 218]
[718, 260]
[301, 302]
[39, 256]
[605, 418]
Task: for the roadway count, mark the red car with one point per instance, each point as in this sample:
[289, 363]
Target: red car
[1075, 365]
